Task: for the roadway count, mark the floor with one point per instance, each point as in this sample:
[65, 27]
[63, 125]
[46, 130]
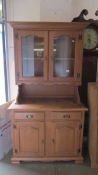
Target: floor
[39, 168]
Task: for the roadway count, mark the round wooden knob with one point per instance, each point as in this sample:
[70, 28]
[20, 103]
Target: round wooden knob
[29, 116]
[66, 115]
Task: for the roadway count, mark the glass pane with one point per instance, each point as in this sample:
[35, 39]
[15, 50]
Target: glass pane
[63, 56]
[33, 56]
[2, 75]
[0, 9]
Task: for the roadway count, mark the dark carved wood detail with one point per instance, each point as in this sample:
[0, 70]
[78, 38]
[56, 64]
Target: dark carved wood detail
[89, 70]
[19, 98]
[81, 17]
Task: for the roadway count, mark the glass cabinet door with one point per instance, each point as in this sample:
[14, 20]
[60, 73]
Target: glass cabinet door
[33, 55]
[63, 55]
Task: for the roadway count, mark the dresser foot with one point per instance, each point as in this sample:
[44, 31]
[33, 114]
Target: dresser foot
[79, 161]
[15, 161]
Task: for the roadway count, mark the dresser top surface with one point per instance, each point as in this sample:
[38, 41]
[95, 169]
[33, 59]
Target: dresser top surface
[48, 104]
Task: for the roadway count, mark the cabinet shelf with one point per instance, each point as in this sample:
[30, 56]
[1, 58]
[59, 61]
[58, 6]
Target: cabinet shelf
[33, 59]
[64, 59]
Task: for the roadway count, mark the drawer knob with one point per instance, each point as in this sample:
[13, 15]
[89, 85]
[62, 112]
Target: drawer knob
[53, 140]
[29, 116]
[42, 141]
[66, 116]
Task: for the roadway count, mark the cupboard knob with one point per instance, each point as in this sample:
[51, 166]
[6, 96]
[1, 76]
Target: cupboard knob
[52, 57]
[53, 140]
[66, 116]
[78, 75]
[46, 58]
[16, 151]
[42, 140]
[29, 116]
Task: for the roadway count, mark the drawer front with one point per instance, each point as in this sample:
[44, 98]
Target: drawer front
[64, 116]
[29, 116]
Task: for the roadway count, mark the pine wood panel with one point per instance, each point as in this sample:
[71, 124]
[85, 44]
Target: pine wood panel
[47, 116]
[64, 116]
[48, 90]
[48, 31]
[28, 139]
[93, 123]
[77, 57]
[77, 159]
[63, 140]
[18, 55]
[29, 116]
[48, 105]
[50, 25]
[42, 136]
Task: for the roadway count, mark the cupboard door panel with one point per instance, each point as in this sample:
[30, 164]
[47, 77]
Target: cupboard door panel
[62, 138]
[29, 139]
[32, 50]
[64, 56]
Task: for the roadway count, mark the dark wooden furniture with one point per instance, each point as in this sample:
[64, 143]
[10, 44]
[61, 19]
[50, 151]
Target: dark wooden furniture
[47, 117]
[89, 71]
[90, 56]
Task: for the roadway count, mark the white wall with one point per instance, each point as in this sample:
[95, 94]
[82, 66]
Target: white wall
[90, 5]
[36, 10]
[23, 10]
[42, 10]
[56, 10]
[18, 10]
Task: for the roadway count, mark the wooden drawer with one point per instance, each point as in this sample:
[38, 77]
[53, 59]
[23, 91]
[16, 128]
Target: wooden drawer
[64, 116]
[29, 116]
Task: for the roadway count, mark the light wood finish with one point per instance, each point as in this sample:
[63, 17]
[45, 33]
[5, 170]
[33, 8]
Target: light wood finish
[28, 139]
[17, 160]
[93, 123]
[78, 54]
[49, 25]
[47, 116]
[48, 90]
[57, 116]
[48, 105]
[63, 140]
[48, 31]
[67, 129]
[18, 60]
[28, 93]
[46, 131]
[29, 116]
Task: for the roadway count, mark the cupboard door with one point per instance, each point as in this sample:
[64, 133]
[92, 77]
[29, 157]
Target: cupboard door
[28, 139]
[65, 56]
[62, 138]
[31, 55]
